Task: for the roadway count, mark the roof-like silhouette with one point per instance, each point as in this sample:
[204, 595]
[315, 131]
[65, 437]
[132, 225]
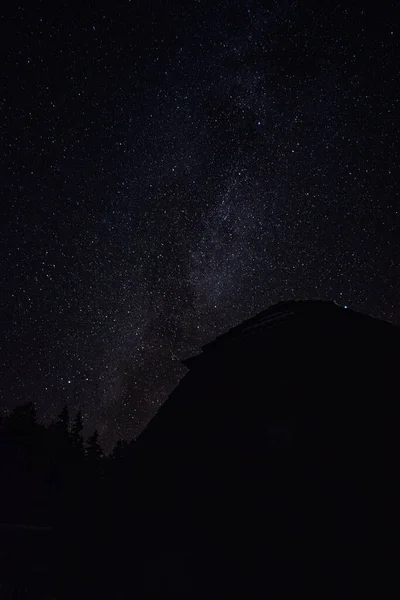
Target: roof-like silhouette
[279, 436]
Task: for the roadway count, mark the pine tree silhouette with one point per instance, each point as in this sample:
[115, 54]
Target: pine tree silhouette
[76, 432]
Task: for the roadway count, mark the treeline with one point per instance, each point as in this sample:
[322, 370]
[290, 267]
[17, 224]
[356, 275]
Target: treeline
[49, 474]
[63, 503]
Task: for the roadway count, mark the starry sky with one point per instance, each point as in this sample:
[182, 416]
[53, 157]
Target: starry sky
[169, 169]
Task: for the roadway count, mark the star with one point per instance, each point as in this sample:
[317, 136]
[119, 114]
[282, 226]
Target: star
[182, 182]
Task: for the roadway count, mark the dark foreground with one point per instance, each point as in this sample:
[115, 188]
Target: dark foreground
[270, 472]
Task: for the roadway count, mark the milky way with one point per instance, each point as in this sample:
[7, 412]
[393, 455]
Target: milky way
[170, 169]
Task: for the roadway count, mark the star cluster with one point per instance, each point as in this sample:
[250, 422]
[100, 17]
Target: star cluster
[171, 168]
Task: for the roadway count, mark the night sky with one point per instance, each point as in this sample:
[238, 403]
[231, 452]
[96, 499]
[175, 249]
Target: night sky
[169, 169]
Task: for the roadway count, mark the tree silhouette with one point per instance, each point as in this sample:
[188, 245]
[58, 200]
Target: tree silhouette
[93, 450]
[76, 433]
[22, 419]
[63, 419]
[120, 450]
